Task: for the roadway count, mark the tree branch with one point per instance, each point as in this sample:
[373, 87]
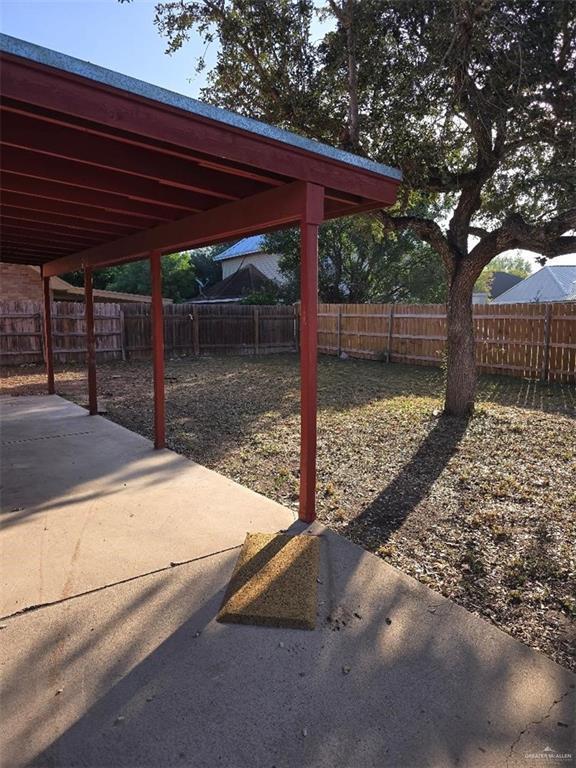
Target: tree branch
[478, 231]
[548, 239]
[427, 230]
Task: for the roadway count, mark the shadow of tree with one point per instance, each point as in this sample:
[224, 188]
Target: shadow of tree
[388, 511]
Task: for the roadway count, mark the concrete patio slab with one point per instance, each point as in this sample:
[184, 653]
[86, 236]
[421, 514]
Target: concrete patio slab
[141, 675]
[86, 503]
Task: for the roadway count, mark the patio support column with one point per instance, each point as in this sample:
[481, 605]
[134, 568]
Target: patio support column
[48, 349]
[158, 350]
[90, 341]
[312, 216]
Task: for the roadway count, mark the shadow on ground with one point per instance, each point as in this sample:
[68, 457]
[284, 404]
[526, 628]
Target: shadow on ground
[214, 404]
[394, 675]
[388, 511]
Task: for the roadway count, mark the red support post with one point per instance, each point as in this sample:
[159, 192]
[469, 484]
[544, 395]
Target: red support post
[158, 350]
[309, 349]
[48, 349]
[90, 342]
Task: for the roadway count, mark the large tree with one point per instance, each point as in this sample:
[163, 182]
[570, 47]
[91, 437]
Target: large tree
[359, 261]
[473, 99]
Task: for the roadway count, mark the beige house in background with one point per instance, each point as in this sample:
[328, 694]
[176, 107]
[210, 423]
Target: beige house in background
[250, 251]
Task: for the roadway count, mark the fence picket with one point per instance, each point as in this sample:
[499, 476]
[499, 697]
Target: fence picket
[526, 340]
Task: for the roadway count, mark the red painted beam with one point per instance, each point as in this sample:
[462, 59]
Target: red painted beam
[56, 169]
[158, 350]
[54, 222]
[134, 140]
[103, 152]
[20, 257]
[309, 350]
[201, 160]
[11, 257]
[85, 99]
[90, 342]
[56, 218]
[50, 232]
[48, 349]
[275, 208]
[22, 235]
[13, 243]
[69, 198]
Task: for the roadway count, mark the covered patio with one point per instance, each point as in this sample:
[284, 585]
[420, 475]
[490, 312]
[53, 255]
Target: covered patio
[115, 556]
[99, 169]
[115, 559]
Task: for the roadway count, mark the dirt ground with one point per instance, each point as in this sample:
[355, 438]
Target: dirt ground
[483, 512]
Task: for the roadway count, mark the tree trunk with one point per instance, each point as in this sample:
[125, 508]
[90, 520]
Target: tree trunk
[461, 360]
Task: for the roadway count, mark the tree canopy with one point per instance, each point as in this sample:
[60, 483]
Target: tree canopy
[360, 262]
[473, 99]
[184, 275]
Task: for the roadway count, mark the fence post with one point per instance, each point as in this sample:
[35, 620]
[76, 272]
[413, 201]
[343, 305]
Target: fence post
[546, 353]
[339, 332]
[256, 331]
[122, 334]
[196, 330]
[172, 315]
[390, 333]
[90, 341]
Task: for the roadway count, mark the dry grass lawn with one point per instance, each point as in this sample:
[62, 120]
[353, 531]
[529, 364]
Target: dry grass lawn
[483, 512]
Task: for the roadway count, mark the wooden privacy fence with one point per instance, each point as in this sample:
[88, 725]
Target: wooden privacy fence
[536, 341]
[22, 332]
[195, 329]
[124, 331]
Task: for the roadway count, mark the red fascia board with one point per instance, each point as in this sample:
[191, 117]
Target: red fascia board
[275, 208]
[73, 95]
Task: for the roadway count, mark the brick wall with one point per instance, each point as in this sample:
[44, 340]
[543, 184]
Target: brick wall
[20, 282]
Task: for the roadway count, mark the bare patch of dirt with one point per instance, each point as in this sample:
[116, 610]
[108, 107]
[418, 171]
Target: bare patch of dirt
[482, 511]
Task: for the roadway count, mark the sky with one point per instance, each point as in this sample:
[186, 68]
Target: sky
[122, 37]
[119, 36]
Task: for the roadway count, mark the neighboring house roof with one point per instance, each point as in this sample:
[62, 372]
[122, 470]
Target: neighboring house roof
[253, 244]
[235, 287]
[551, 283]
[502, 281]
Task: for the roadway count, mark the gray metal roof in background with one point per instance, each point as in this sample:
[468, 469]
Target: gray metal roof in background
[50, 58]
[244, 247]
[551, 283]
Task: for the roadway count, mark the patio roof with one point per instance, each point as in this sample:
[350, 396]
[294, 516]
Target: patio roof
[97, 168]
